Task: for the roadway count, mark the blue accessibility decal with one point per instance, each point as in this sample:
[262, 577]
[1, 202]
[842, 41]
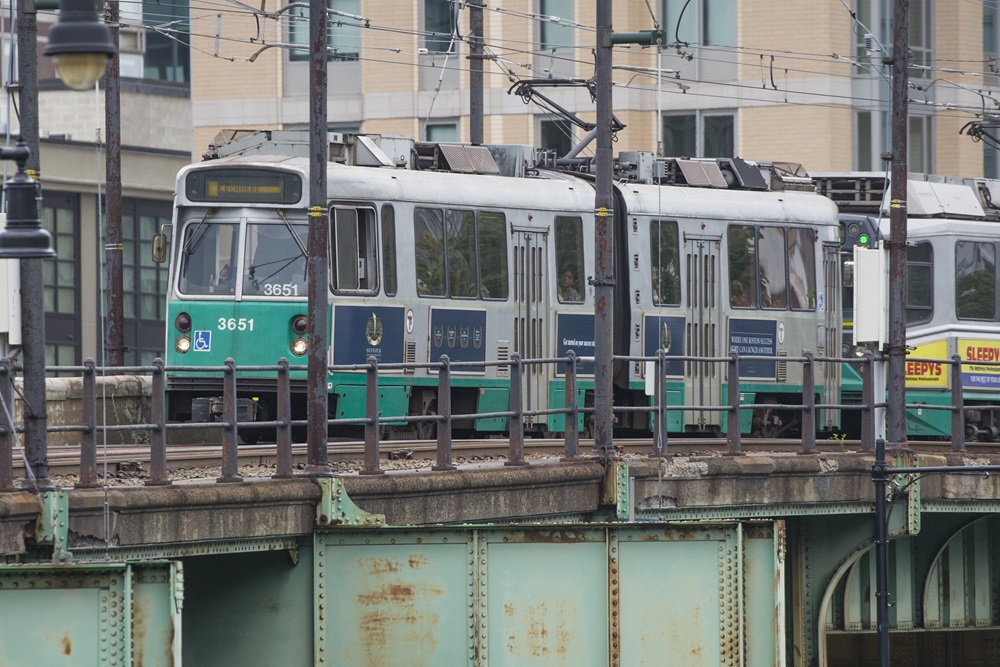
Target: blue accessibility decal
[202, 341]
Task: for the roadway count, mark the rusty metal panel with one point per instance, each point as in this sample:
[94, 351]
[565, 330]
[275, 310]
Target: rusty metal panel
[543, 597]
[155, 603]
[63, 615]
[394, 598]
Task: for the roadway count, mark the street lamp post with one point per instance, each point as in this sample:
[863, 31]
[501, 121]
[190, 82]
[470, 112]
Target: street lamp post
[81, 45]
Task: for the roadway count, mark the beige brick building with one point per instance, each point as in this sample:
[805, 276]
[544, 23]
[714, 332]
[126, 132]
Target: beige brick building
[789, 80]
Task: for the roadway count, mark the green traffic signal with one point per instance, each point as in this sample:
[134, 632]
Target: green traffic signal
[863, 239]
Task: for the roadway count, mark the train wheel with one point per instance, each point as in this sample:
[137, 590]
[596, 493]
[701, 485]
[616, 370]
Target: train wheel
[427, 430]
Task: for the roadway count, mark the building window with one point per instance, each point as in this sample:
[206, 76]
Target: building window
[61, 280]
[555, 29]
[168, 42]
[704, 22]
[699, 134]
[441, 132]
[144, 283]
[440, 17]
[872, 135]
[556, 135]
[876, 15]
[343, 38]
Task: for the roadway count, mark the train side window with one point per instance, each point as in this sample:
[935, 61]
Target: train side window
[664, 261]
[493, 255]
[801, 268]
[772, 267]
[742, 266]
[569, 258]
[975, 280]
[428, 235]
[919, 283]
[354, 265]
[389, 250]
[460, 246]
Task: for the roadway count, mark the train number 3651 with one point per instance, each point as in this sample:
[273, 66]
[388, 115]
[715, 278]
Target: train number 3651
[235, 324]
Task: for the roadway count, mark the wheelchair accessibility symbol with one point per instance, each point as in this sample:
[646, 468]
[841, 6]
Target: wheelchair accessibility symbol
[202, 341]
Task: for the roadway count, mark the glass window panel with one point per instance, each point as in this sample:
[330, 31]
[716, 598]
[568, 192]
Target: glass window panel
[719, 140]
[680, 136]
[493, 255]
[742, 266]
[556, 136]
[801, 269]
[66, 302]
[343, 36]
[389, 249]
[975, 280]
[772, 267]
[208, 259]
[438, 25]
[276, 263]
[65, 247]
[680, 21]
[719, 20]
[65, 221]
[569, 258]
[665, 262]
[461, 248]
[48, 272]
[442, 132]
[49, 298]
[346, 250]
[149, 307]
[555, 35]
[428, 234]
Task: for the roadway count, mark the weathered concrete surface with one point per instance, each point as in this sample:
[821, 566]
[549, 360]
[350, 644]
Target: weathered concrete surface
[488, 493]
[207, 512]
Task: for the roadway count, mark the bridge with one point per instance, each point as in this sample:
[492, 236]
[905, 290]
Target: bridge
[654, 553]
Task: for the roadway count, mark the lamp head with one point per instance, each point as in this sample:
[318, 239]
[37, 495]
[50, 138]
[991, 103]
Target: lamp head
[80, 44]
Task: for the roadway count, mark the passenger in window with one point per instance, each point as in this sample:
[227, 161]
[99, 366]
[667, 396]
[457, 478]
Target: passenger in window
[567, 287]
[738, 295]
[226, 277]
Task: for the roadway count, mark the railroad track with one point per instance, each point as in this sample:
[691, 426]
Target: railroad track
[65, 460]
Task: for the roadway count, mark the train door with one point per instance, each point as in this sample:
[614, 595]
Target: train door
[831, 335]
[705, 329]
[531, 314]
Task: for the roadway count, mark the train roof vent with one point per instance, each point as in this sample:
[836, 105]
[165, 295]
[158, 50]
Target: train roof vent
[738, 172]
[946, 199]
[702, 174]
[461, 158]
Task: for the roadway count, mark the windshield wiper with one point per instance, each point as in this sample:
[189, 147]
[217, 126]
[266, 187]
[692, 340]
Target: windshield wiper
[195, 239]
[291, 230]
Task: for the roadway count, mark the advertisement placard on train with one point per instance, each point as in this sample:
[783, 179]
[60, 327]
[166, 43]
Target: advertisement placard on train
[985, 373]
[461, 334]
[360, 332]
[925, 365]
[754, 338]
[666, 333]
[575, 332]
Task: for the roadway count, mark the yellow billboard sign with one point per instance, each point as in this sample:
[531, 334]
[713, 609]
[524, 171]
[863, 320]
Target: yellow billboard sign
[923, 368]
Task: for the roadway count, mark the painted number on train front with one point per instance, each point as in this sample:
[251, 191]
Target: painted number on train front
[235, 324]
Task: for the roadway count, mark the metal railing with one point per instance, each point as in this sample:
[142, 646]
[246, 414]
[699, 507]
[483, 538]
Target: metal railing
[157, 427]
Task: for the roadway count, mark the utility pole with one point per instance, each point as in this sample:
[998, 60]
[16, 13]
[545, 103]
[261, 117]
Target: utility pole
[317, 402]
[114, 345]
[896, 400]
[476, 72]
[32, 309]
[604, 241]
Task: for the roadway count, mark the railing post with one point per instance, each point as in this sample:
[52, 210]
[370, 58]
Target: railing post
[371, 462]
[515, 453]
[868, 402]
[660, 405]
[6, 426]
[958, 416]
[283, 431]
[734, 444]
[444, 416]
[158, 435]
[88, 439]
[230, 447]
[809, 403]
[572, 433]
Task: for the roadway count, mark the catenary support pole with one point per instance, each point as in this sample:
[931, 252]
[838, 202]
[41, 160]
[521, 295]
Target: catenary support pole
[476, 72]
[114, 345]
[317, 403]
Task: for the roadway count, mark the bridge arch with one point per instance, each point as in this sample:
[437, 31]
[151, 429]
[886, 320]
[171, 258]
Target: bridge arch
[944, 586]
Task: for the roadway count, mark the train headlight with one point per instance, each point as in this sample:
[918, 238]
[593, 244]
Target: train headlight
[182, 344]
[300, 324]
[183, 322]
[300, 346]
